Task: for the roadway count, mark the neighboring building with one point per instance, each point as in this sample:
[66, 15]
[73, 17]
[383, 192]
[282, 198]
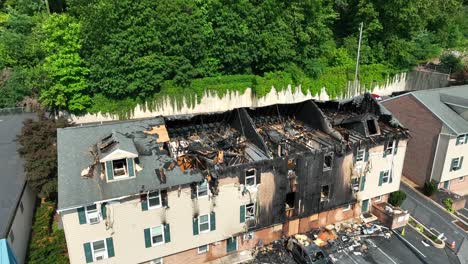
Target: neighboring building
[16, 198]
[194, 188]
[438, 122]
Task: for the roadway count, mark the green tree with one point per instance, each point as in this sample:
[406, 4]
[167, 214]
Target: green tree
[397, 198]
[64, 66]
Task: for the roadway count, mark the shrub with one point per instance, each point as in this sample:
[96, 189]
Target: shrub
[397, 198]
[429, 188]
[448, 202]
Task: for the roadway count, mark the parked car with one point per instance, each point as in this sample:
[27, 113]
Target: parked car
[306, 254]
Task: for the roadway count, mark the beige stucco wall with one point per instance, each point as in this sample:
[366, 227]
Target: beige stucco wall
[378, 163]
[451, 151]
[130, 221]
[21, 225]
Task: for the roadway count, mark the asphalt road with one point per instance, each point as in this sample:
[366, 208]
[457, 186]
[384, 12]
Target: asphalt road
[433, 217]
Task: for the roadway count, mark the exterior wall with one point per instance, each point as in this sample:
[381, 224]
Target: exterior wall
[457, 186]
[129, 221]
[454, 151]
[21, 226]
[379, 163]
[424, 128]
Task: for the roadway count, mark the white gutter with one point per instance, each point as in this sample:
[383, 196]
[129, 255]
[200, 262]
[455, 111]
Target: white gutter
[97, 202]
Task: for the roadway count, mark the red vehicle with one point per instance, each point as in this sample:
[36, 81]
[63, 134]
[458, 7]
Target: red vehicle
[377, 97]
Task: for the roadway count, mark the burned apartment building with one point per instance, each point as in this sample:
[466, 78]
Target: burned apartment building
[195, 188]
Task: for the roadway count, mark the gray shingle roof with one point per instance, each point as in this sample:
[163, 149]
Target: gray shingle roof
[73, 150]
[437, 101]
[12, 177]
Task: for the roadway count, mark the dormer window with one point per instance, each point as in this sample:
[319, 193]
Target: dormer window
[120, 169]
[372, 127]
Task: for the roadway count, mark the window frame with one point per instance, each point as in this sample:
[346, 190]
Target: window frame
[378, 198]
[458, 167]
[205, 250]
[159, 261]
[461, 179]
[125, 167]
[162, 234]
[207, 222]
[250, 217]
[325, 166]
[159, 197]
[106, 256]
[363, 151]
[254, 176]
[463, 137]
[94, 211]
[207, 189]
[386, 175]
[347, 208]
[390, 147]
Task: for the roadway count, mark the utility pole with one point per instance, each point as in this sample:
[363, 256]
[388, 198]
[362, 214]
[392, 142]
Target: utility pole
[357, 60]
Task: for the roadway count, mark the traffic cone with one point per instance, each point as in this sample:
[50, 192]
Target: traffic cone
[452, 246]
[403, 232]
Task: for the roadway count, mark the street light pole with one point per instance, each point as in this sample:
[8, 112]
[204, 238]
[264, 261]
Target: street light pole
[357, 59]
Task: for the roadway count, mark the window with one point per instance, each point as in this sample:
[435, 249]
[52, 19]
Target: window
[157, 261]
[386, 176]
[347, 208]
[12, 236]
[202, 189]
[378, 198]
[157, 235]
[21, 207]
[389, 146]
[120, 168]
[154, 199]
[360, 155]
[290, 199]
[99, 250]
[324, 193]
[250, 177]
[456, 164]
[92, 215]
[327, 163]
[462, 139]
[461, 179]
[204, 223]
[203, 249]
[372, 127]
[250, 212]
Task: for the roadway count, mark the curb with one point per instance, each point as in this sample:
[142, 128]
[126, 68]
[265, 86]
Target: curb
[418, 254]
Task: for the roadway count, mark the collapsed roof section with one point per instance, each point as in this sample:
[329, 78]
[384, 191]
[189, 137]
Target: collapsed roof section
[361, 119]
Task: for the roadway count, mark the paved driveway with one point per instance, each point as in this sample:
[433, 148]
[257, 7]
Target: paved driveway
[433, 217]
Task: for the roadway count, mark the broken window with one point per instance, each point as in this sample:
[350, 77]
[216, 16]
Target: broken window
[202, 189]
[250, 177]
[92, 214]
[324, 193]
[355, 184]
[290, 198]
[154, 199]
[291, 164]
[250, 211]
[360, 153]
[462, 139]
[120, 167]
[328, 161]
[389, 146]
[372, 127]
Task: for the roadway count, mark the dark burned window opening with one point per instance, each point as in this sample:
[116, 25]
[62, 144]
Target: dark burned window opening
[290, 198]
[250, 211]
[250, 177]
[389, 146]
[120, 167]
[291, 164]
[355, 184]
[372, 127]
[202, 189]
[360, 154]
[325, 192]
[328, 161]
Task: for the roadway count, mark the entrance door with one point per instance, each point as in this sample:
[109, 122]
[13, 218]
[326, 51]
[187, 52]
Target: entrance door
[365, 206]
[446, 185]
[231, 244]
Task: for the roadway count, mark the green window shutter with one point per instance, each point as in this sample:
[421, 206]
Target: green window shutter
[131, 172]
[381, 178]
[212, 221]
[391, 176]
[109, 170]
[385, 149]
[104, 210]
[167, 233]
[363, 183]
[354, 154]
[242, 213]
[110, 247]
[81, 215]
[452, 164]
[195, 226]
[147, 238]
[87, 252]
[144, 202]
[461, 162]
[396, 147]
[366, 156]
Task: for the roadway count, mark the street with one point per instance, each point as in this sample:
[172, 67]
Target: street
[434, 217]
